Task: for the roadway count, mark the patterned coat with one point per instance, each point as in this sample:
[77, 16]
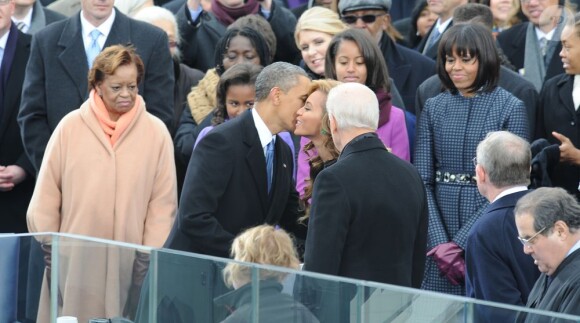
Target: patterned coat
[449, 130]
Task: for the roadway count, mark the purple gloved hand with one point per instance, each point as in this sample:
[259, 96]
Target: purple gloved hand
[449, 259]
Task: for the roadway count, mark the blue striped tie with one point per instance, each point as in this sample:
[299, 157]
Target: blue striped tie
[94, 49]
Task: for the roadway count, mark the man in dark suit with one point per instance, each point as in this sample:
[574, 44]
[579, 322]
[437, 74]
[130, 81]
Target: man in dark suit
[497, 269]
[56, 75]
[30, 16]
[16, 171]
[368, 218]
[508, 80]
[536, 57]
[444, 9]
[232, 183]
[407, 67]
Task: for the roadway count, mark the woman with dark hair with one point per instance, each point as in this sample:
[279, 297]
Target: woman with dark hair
[448, 132]
[422, 19]
[353, 56]
[243, 45]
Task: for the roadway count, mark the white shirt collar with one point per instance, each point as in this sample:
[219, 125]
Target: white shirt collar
[574, 248]
[27, 20]
[4, 40]
[263, 131]
[104, 28]
[510, 191]
[442, 25]
[576, 91]
[548, 36]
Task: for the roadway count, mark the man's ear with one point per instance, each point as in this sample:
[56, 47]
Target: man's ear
[332, 121]
[480, 173]
[275, 95]
[386, 21]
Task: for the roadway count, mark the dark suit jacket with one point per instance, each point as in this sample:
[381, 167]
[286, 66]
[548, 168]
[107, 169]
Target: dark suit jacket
[556, 112]
[497, 269]
[56, 76]
[42, 17]
[508, 80]
[432, 51]
[513, 43]
[225, 189]
[407, 68]
[368, 218]
[15, 202]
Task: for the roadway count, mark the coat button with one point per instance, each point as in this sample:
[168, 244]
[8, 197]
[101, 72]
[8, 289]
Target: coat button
[572, 123]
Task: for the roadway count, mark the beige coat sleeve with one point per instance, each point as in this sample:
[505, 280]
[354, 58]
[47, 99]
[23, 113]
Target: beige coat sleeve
[44, 211]
[163, 202]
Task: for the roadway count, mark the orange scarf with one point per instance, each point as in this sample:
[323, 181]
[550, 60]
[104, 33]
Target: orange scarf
[113, 129]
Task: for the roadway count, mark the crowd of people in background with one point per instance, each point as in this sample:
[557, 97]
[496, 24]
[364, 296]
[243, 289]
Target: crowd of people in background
[432, 144]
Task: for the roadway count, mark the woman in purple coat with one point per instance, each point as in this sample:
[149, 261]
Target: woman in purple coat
[352, 56]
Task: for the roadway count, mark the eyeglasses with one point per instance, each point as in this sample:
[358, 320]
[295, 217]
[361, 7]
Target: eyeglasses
[474, 160]
[3, 2]
[528, 242]
[367, 19]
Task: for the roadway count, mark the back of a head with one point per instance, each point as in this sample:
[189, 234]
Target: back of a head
[262, 26]
[474, 13]
[319, 19]
[263, 244]
[353, 105]
[280, 74]
[506, 159]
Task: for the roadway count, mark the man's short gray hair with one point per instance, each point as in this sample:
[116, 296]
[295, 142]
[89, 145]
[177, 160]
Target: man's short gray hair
[548, 205]
[353, 105]
[506, 159]
[281, 75]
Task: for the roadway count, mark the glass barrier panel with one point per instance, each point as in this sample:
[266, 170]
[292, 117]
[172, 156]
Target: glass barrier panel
[22, 270]
[95, 278]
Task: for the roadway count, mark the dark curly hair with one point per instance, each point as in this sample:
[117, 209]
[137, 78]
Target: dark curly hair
[239, 74]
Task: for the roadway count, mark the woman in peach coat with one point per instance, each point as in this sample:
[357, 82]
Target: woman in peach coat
[108, 172]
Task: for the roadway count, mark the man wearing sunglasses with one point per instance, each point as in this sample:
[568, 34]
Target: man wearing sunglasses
[407, 67]
[496, 268]
[548, 222]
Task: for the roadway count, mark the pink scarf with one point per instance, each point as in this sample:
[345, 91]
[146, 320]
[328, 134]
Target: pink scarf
[228, 15]
[113, 129]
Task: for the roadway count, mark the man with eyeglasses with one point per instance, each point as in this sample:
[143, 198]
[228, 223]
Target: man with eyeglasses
[533, 47]
[407, 67]
[444, 10]
[496, 268]
[548, 222]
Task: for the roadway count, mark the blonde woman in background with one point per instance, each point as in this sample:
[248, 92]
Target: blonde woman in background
[313, 33]
[266, 245]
